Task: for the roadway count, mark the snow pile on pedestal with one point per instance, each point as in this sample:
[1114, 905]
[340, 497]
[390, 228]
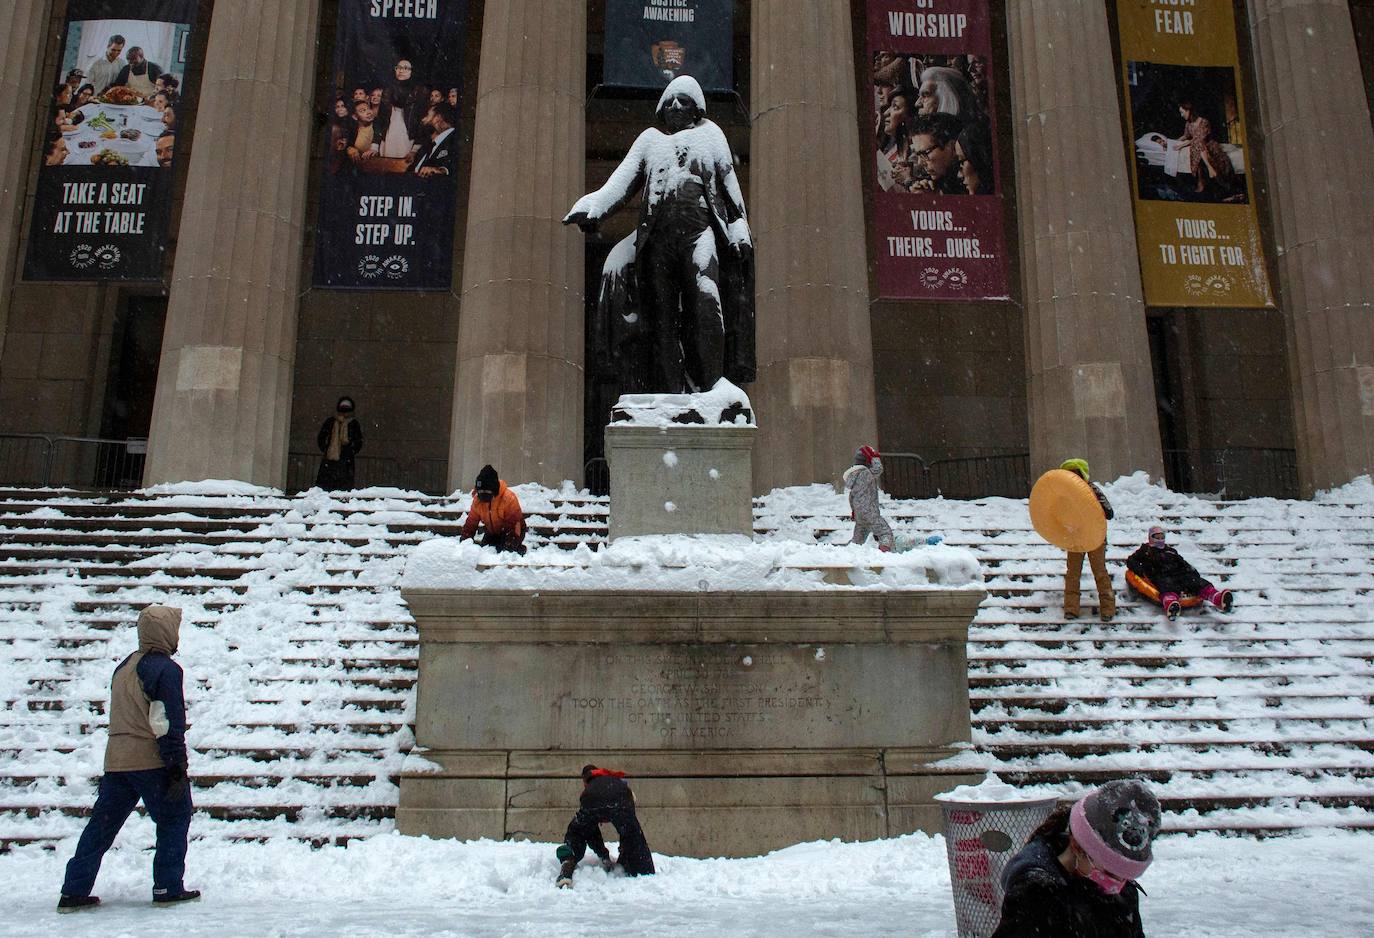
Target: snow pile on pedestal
[715, 563]
[658, 410]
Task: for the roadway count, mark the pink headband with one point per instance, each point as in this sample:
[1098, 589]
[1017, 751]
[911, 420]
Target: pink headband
[1097, 850]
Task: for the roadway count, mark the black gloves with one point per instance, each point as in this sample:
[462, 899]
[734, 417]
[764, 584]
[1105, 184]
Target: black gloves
[177, 782]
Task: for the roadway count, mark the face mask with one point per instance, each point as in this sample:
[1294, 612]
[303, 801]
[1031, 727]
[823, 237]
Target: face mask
[1105, 881]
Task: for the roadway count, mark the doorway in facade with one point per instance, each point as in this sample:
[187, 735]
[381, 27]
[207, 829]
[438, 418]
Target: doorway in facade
[135, 351]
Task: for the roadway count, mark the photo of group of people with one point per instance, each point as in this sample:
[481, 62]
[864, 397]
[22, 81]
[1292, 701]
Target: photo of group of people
[933, 131]
[1190, 134]
[115, 103]
[402, 123]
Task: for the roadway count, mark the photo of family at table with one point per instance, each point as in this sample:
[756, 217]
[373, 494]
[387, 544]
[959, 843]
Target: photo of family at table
[115, 103]
[400, 123]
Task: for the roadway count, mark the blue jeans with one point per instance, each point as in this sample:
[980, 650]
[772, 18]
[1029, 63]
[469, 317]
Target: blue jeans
[119, 794]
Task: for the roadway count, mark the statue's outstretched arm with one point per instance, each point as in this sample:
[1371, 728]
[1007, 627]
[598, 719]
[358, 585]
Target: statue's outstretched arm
[628, 178]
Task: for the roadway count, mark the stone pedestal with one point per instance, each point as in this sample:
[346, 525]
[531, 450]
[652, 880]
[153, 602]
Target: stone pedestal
[680, 480]
[747, 721]
[1091, 390]
[1311, 94]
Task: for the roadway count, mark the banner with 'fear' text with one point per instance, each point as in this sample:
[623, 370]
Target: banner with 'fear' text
[1196, 227]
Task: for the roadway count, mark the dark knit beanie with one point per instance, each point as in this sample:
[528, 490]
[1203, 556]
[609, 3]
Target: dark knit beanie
[487, 480]
[1115, 825]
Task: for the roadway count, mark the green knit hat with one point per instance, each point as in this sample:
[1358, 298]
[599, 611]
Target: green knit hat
[1079, 466]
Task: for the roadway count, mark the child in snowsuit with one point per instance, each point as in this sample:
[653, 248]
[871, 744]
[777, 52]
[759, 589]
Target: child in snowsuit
[145, 760]
[497, 509]
[1076, 877]
[1162, 567]
[861, 479]
[1097, 559]
[606, 799]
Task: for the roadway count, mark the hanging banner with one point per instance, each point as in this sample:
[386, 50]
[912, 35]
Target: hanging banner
[390, 184]
[651, 42]
[937, 191]
[1195, 218]
[104, 195]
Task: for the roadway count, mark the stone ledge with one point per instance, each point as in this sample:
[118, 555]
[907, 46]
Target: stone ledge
[662, 617]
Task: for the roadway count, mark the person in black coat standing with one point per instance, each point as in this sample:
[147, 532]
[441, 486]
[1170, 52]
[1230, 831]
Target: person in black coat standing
[1076, 877]
[340, 439]
[606, 799]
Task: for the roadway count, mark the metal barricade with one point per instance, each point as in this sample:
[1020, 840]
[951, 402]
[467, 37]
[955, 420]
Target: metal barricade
[78, 462]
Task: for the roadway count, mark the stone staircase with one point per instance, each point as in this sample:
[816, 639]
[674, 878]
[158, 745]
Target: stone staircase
[302, 656]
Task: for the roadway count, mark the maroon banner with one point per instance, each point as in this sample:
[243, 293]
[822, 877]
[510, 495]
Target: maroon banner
[937, 191]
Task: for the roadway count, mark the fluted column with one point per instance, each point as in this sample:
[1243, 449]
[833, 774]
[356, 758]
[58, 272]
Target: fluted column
[1320, 161]
[22, 36]
[519, 387]
[814, 395]
[1091, 389]
[224, 384]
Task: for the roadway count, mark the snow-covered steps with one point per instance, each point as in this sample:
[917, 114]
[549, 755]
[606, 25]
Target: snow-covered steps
[301, 655]
[1260, 720]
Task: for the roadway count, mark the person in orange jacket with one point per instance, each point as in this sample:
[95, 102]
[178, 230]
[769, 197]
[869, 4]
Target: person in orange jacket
[497, 510]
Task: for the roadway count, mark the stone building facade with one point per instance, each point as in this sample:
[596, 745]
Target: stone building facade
[231, 362]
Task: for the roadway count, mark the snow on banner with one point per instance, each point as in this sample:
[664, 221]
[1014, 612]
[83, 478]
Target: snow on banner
[937, 188]
[1196, 228]
[651, 42]
[387, 199]
[103, 201]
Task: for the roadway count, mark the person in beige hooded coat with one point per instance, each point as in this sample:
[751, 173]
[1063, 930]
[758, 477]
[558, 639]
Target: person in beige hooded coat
[145, 760]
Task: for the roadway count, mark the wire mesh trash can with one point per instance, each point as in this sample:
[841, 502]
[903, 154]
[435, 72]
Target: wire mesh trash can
[985, 826]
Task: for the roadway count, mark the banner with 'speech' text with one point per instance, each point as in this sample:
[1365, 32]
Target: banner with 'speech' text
[937, 190]
[1196, 227]
[103, 201]
[390, 187]
[651, 42]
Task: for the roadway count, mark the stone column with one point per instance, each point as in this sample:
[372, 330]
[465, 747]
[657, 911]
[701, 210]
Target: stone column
[1091, 390]
[519, 387]
[22, 45]
[224, 384]
[814, 395]
[1319, 151]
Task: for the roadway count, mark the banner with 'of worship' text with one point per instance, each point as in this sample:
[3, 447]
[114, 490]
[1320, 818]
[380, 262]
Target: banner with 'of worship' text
[109, 141]
[1196, 226]
[937, 186]
[651, 42]
[390, 184]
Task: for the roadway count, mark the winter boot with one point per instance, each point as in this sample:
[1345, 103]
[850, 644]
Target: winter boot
[569, 865]
[1171, 605]
[1223, 600]
[77, 903]
[170, 899]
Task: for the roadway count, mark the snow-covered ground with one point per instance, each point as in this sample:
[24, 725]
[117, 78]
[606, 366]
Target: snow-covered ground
[1314, 884]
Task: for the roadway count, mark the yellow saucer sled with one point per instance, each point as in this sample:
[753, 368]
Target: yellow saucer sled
[1066, 513]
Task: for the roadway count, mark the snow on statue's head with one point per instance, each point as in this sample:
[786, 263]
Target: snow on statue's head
[674, 108]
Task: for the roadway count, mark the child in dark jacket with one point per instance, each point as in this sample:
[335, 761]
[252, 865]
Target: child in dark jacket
[1076, 877]
[606, 799]
[1171, 577]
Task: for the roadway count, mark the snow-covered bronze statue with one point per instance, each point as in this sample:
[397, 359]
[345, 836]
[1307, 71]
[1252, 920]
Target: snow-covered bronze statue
[676, 311]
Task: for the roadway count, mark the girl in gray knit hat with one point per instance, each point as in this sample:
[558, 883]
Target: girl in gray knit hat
[1076, 877]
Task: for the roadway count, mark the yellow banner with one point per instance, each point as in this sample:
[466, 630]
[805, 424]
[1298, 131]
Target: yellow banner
[1195, 218]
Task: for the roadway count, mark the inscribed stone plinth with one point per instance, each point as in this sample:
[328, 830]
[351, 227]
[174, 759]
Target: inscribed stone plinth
[749, 721]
